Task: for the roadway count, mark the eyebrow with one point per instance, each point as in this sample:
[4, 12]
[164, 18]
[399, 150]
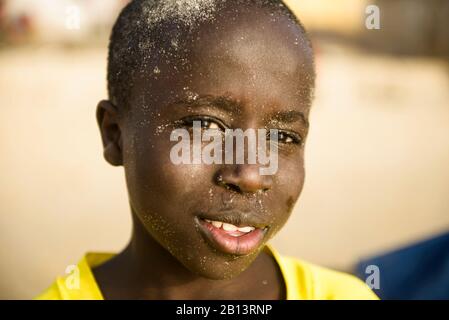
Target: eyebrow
[221, 102]
[290, 117]
[231, 105]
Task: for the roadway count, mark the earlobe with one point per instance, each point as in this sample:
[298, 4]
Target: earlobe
[107, 119]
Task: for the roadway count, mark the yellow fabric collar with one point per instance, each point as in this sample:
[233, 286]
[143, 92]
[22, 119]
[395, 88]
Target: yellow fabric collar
[89, 289]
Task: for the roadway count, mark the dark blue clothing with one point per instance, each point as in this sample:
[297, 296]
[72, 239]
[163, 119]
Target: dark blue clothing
[418, 271]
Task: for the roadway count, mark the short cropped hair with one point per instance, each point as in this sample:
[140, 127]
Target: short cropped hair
[150, 30]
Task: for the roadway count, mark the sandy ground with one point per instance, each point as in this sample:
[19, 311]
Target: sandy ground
[377, 163]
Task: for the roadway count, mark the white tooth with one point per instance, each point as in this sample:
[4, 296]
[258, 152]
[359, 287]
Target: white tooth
[229, 227]
[207, 220]
[246, 229]
[217, 224]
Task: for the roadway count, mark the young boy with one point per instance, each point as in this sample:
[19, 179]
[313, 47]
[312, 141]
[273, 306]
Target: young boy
[200, 230]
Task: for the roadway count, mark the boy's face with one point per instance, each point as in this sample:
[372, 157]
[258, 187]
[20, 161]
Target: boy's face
[237, 75]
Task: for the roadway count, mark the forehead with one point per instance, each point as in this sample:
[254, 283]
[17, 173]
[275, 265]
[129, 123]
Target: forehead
[265, 58]
[264, 62]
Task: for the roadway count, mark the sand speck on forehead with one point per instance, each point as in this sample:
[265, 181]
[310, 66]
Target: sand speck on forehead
[188, 12]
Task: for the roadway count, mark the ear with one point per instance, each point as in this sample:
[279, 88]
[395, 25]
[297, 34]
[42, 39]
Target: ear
[111, 135]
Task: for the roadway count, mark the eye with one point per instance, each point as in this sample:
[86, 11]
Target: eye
[206, 122]
[209, 124]
[287, 137]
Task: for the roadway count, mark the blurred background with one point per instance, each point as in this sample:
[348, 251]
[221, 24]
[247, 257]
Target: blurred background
[377, 157]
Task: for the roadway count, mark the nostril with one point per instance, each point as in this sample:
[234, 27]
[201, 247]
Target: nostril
[227, 185]
[232, 187]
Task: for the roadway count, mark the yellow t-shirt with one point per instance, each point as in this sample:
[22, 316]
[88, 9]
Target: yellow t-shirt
[303, 281]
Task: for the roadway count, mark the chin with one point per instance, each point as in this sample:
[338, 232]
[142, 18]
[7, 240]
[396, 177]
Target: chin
[220, 268]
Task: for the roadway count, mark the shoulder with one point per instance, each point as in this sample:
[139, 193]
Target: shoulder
[79, 283]
[305, 280]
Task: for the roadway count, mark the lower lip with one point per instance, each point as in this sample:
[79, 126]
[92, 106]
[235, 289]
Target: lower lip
[226, 243]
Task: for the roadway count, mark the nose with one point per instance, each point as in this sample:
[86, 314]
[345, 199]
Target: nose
[244, 178]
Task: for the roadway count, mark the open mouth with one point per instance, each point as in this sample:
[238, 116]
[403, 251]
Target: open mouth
[231, 239]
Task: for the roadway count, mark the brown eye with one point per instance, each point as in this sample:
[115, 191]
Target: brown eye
[284, 138]
[287, 137]
[206, 122]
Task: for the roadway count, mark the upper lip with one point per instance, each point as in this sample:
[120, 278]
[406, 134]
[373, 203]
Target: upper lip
[236, 217]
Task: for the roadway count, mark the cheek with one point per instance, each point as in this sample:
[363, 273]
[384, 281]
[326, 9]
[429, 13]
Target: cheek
[162, 194]
[289, 184]
[155, 182]
[291, 173]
